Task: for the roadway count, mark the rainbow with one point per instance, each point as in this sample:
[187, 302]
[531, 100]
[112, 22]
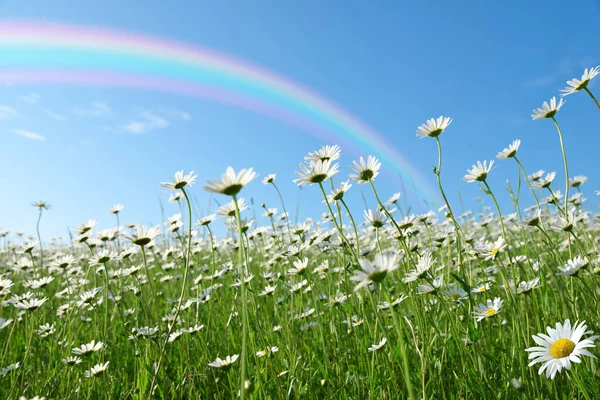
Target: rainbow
[32, 52]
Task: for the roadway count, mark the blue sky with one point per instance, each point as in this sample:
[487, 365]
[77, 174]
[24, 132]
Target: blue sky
[393, 65]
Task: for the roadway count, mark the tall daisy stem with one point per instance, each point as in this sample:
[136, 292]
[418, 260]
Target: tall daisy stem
[592, 96]
[183, 285]
[243, 290]
[564, 154]
[438, 174]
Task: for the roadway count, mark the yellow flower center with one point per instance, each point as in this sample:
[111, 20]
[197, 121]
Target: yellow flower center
[490, 312]
[455, 296]
[494, 251]
[562, 348]
[482, 289]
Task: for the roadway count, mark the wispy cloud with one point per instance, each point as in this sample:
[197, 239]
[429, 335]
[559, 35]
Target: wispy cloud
[96, 109]
[146, 122]
[31, 98]
[55, 115]
[177, 114]
[540, 81]
[30, 135]
[7, 112]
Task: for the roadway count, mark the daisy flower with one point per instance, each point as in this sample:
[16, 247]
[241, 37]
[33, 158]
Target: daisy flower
[376, 218]
[224, 364]
[578, 181]
[540, 183]
[487, 310]
[180, 180]
[96, 370]
[572, 267]
[269, 179]
[366, 171]
[575, 85]
[143, 236]
[433, 127]
[42, 205]
[478, 172]
[231, 183]
[423, 266]
[30, 304]
[378, 345]
[115, 209]
[338, 194]
[547, 110]
[375, 271]
[316, 172]
[560, 347]
[510, 151]
[325, 153]
[86, 349]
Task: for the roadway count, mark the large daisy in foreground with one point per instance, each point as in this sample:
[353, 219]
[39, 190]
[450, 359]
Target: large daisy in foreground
[561, 347]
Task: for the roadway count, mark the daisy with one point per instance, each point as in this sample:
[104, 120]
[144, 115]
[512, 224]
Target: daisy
[4, 322]
[560, 347]
[455, 293]
[179, 180]
[578, 181]
[572, 267]
[547, 110]
[485, 311]
[71, 360]
[325, 153]
[86, 349]
[269, 179]
[224, 364]
[316, 172]
[115, 209]
[509, 152]
[42, 205]
[204, 221]
[423, 266]
[338, 194]
[536, 175]
[479, 172]
[228, 210]
[433, 127]
[96, 370]
[365, 171]
[378, 345]
[575, 85]
[231, 183]
[375, 271]
[531, 219]
[143, 236]
[540, 183]
[30, 304]
[376, 218]
[393, 200]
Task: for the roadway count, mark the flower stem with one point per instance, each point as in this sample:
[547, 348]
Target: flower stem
[243, 289]
[592, 96]
[353, 226]
[438, 174]
[564, 154]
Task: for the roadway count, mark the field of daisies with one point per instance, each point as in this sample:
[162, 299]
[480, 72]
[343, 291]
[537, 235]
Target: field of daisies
[378, 304]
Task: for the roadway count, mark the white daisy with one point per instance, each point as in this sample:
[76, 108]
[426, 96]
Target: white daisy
[478, 172]
[316, 172]
[180, 180]
[487, 310]
[231, 183]
[560, 347]
[547, 110]
[375, 271]
[510, 151]
[224, 364]
[378, 345]
[366, 171]
[433, 127]
[576, 85]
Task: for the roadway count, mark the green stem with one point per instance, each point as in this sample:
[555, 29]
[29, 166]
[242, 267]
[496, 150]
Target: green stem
[243, 289]
[592, 96]
[353, 226]
[564, 154]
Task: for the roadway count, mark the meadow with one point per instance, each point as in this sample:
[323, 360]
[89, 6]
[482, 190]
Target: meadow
[381, 304]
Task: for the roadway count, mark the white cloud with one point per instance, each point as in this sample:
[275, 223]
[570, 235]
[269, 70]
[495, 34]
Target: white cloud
[146, 122]
[96, 109]
[55, 115]
[30, 135]
[540, 81]
[7, 112]
[177, 114]
[31, 98]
